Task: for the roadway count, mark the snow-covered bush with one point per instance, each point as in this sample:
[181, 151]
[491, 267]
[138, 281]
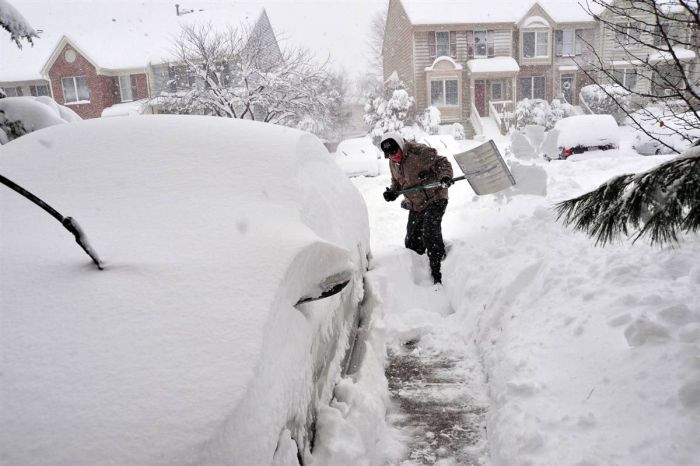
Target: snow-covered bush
[2, 93]
[458, 132]
[22, 115]
[383, 115]
[665, 130]
[610, 99]
[430, 120]
[540, 112]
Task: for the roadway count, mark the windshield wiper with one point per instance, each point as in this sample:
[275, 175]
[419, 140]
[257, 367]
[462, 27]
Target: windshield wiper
[69, 223]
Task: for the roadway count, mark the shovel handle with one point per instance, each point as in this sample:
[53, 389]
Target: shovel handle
[433, 185]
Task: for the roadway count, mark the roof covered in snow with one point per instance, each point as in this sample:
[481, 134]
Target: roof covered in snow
[496, 11]
[493, 65]
[124, 34]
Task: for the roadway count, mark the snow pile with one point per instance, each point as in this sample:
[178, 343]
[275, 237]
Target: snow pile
[676, 130]
[188, 347]
[21, 115]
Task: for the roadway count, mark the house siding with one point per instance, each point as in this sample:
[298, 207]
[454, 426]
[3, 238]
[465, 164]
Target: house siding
[398, 50]
[102, 91]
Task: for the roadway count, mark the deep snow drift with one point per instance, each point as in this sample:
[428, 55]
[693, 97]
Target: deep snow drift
[591, 355]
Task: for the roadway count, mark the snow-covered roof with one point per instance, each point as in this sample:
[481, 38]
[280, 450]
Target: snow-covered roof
[495, 11]
[493, 65]
[124, 34]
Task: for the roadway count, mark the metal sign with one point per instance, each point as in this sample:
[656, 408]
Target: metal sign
[485, 169]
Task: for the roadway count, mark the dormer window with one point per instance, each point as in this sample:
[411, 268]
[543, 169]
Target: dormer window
[536, 44]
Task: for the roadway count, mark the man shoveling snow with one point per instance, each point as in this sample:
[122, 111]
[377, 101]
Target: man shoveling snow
[413, 164]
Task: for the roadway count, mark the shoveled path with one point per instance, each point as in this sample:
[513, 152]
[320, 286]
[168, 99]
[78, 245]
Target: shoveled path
[435, 379]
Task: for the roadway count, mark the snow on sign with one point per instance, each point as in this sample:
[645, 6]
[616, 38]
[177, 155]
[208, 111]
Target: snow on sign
[485, 169]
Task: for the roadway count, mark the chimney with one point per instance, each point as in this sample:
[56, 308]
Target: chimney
[177, 9]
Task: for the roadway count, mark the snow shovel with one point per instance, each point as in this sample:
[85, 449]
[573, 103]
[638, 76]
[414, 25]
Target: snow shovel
[69, 223]
[482, 166]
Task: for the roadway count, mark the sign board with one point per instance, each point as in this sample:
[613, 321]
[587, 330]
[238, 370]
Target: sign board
[485, 169]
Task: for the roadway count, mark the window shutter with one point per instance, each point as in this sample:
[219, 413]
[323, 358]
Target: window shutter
[431, 45]
[470, 44]
[134, 87]
[578, 41]
[558, 42]
[491, 49]
[453, 44]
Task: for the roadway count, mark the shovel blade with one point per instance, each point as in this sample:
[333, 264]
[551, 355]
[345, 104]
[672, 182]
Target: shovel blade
[485, 169]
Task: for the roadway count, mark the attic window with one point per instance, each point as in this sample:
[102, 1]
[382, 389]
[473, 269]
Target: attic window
[70, 56]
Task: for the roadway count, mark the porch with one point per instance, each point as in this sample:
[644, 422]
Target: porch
[492, 88]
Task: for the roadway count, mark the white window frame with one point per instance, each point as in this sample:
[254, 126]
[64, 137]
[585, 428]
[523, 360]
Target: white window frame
[438, 43]
[485, 44]
[538, 44]
[623, 75]
[624, 33]
[443, 94]
[75, 89]
[123, 88]
[13, 93]
[500, 90]
[532, 87]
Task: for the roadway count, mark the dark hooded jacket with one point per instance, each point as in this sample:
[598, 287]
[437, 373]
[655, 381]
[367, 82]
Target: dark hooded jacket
[420, 165]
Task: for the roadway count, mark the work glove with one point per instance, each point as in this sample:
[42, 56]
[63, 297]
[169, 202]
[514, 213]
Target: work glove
[390, 195]
[446, 182]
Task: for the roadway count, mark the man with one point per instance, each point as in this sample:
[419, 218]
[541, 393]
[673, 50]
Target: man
[414, 164]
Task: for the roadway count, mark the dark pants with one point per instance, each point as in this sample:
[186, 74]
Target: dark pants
[424, 233]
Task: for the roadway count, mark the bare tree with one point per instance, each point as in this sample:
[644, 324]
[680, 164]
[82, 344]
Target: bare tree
[13, 22]
[238, 73]
[375, 40]
[656, 39]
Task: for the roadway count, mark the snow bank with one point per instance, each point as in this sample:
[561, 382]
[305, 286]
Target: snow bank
[34, 113]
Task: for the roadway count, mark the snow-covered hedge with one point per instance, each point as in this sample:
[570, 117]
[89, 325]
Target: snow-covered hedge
[540, 112]
[22, 115]
[601, 99]
[430, 120]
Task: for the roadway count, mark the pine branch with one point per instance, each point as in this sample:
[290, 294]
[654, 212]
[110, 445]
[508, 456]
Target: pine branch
[658, 204]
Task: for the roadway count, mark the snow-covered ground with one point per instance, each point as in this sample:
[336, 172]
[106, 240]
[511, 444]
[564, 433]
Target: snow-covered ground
[579, 355]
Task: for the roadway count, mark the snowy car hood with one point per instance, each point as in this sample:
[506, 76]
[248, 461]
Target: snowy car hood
[201, 223]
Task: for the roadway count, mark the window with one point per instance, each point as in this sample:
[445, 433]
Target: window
[444, 92]
[659, 31]
[496, 91]
[535, 44]
[39, 89]
[532, 87]
[442, 44]
[127, 87]
[568, 43]
[627, 33]
[75, 90]
[12, 91]
[627, 77]
[480, 44]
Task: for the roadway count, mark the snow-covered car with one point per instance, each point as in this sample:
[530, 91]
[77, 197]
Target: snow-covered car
[581, 133]
[233, 257]
[358, 157]
[22, 115]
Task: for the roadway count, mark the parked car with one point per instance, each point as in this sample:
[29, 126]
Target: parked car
[22, 115]
[581, 133]
[358, 157]
[233, 257]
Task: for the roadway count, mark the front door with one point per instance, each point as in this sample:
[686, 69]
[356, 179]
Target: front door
[567, 87]
[480, 96]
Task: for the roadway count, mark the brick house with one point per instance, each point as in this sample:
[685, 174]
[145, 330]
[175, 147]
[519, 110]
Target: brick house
[475, 59]
[116, 62]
